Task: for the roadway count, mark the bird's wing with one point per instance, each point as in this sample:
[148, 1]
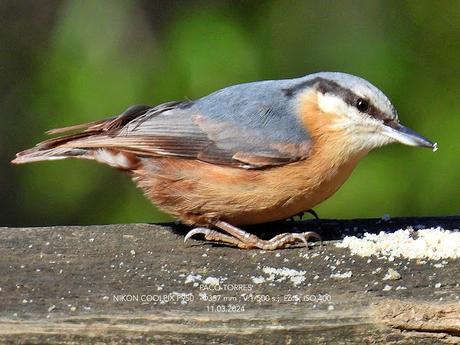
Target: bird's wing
[247, 125]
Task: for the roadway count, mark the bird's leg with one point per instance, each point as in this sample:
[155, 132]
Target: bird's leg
[245, 240]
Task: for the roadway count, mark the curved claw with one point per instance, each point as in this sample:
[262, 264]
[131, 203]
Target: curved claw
[309, 234]
[193, 232]
[301, 214]
[313, 213]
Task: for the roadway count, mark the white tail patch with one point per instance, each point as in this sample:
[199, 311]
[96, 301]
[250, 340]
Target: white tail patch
[113, 158]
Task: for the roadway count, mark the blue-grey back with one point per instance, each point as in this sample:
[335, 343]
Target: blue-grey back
[262, 106]
[250, 125]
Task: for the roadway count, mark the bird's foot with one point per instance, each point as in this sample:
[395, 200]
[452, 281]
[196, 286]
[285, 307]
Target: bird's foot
[301, 214]
[245, 240]
[313, 213]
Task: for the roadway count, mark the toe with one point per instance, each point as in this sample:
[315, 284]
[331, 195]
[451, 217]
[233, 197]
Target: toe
[300, 237]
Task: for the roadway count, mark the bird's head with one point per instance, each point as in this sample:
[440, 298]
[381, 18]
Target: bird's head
[362, 111]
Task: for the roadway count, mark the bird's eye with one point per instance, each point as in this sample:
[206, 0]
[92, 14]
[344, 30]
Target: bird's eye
[362, 105]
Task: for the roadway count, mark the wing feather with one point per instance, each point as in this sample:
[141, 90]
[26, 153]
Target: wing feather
[240, 126]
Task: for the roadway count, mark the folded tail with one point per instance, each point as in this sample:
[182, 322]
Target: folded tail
[70, 146]
[51, 150]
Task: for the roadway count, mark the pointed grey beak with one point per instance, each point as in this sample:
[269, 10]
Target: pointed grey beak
[407, 136]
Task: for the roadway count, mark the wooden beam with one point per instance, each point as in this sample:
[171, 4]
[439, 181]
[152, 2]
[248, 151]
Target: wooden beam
[140, 283]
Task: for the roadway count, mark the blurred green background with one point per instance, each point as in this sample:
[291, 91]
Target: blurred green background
[66, 62]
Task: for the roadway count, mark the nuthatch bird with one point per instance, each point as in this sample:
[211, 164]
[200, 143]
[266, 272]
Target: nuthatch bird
[246, 154]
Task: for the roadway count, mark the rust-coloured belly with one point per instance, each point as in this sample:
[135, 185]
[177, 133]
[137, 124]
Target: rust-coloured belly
[294, 198]
[198, 192]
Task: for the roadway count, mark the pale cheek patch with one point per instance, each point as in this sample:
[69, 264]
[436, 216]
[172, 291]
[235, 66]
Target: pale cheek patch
[330, 104]
[115, 159]
[335, 105]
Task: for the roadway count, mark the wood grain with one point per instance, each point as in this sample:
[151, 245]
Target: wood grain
[62, 285]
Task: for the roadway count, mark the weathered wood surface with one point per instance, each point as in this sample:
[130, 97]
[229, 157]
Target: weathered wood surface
[61, 285]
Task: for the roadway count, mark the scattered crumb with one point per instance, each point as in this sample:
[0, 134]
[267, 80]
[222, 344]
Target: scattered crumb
[197, 279]
[437, 285]
[280, 275]
[377, 270]
[387, 288]
[433, 243]
[392, 275]
[191, 278]
[258, 280]
[342, 275]
[213, 281]
[296, 280]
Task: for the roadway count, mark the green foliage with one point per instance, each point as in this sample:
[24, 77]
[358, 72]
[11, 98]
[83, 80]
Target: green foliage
[104, 56]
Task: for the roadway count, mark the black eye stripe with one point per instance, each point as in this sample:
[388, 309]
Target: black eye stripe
[377, 113]
[349, 97]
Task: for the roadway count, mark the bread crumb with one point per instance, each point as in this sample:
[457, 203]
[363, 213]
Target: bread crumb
[191, 278]
[432, 243]
[392, 275]
[280, 274]
[342, 275]
[213, 281]
[258, 280]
